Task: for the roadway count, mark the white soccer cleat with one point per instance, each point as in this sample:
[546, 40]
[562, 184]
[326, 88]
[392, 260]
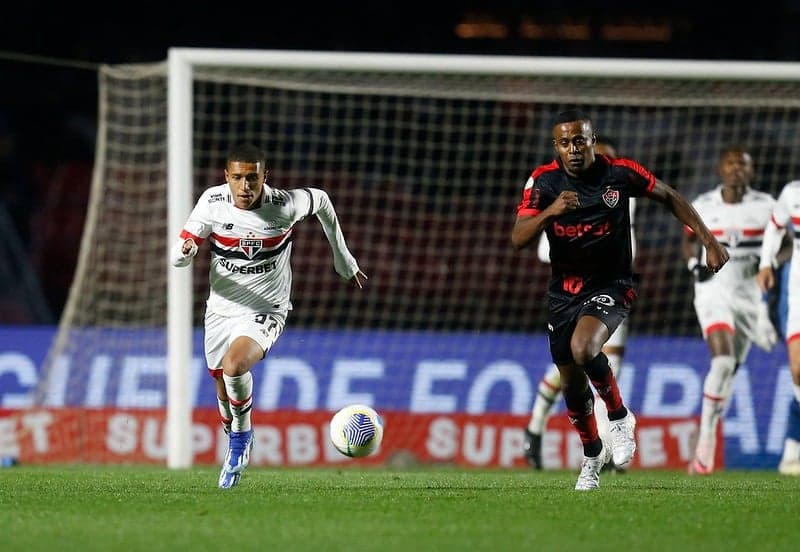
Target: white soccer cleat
[589, 478]
[703, 461]
[623, 442]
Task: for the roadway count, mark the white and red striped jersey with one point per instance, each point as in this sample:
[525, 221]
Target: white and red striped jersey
[739, 227]
[785, 216]
[250, 268]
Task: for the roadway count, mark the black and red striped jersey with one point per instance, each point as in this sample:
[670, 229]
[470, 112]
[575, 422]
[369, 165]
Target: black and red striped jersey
[591, 243]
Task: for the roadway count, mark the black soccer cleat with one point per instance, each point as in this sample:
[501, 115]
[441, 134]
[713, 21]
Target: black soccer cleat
[532, 447]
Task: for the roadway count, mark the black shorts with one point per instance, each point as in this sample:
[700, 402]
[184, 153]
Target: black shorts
[610, 304]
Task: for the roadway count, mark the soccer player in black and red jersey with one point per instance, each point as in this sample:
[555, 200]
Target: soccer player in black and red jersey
[581, 201]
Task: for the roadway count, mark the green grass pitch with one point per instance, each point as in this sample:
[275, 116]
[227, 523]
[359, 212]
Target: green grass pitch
[105, 508]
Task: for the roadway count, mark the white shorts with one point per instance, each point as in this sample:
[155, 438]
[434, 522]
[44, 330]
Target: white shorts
[620, 335]
[741, 311]
[221, 331]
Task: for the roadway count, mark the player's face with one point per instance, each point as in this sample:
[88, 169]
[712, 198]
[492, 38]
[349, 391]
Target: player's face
[574, 143]
[246, 181]
[736, 168]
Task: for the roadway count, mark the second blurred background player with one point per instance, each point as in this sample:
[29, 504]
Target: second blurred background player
[550, 385]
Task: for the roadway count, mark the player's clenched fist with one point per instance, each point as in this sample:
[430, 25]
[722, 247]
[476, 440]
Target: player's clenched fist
[189, 248]
[566, 201]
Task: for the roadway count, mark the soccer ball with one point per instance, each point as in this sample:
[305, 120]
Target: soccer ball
[356, 430]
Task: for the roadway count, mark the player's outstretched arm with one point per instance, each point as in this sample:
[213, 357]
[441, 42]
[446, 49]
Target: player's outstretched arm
[716, 254]
[343, 261]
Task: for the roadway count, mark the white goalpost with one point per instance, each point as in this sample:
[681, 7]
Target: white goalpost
[425, 157]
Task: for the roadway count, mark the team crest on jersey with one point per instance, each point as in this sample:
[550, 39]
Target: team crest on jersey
[611, 197]
[250, 246]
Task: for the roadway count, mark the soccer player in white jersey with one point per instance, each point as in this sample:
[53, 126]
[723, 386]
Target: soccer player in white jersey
[550, 385]
[248, 225]
[730, 306]
[785, 216]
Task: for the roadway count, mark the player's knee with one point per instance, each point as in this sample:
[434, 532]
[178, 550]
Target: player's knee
[584, 350]
[235, 365]
[585, 346]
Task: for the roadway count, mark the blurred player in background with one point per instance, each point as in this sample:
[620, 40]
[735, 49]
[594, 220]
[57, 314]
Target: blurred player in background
[582, 202]
[784, 216]
[249, 225]
[550, 385]
[730, 306]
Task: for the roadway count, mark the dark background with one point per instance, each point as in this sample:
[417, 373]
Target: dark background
[48, 97]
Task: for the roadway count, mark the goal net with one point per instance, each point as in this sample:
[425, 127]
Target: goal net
[425, 158]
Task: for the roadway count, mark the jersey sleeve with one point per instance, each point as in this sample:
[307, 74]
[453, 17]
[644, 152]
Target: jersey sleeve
[776, 228]
[534, 198]
[197, 228]
[313, 201]
[639, 179]
[781, 215]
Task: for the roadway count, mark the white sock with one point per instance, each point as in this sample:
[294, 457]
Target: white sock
[240, 395]
[549, 388]
[716, 390]
[224, 407]
[601, 416]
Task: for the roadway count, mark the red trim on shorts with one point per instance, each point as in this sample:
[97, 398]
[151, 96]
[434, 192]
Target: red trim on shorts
[215, 373]
[792, 337]
[720, 326]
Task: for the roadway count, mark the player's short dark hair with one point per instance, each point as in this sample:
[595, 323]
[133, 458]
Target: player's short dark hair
[571, 115]
[247, 153]
[733, 149]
